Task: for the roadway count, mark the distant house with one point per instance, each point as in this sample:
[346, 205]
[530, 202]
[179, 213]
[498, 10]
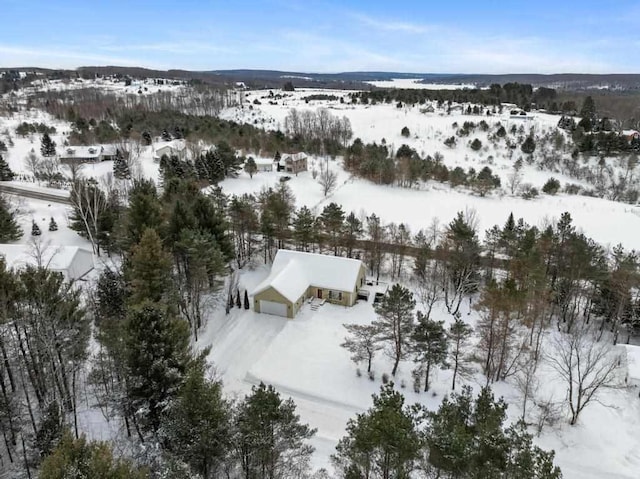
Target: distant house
[518, 114]
[294, 163]
[171, 148]
[297, 276]
[264, 164]
[88, 154]
[72, 261]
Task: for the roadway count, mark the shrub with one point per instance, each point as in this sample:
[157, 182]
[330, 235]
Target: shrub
[476, 145]
[551, 187]
[405, 132]
[385, 378]
[529, 192]
[450, 142]
[372, 376]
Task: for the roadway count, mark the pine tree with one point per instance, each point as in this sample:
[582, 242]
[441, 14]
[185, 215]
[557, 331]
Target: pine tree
[304, 228]
[238, 300]
[362, 343]
[47, 146]
[395, 323]
[9, 228]
[78, 458]
[158, 357]
[529, 145]
[49, 433]
[250, 166]
[121, 168]
[35, 229]
[197, 428]
[145, 210]
[383, 442]
[53, 226]
[351, 232]
[465, 438]
[146, 137]
[246, 300]
[270, 439]
[5, 172]
[332, 219]
[149, 271]
[429, 344]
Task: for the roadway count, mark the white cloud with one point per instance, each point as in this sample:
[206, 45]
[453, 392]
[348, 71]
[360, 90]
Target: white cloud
[392, 25]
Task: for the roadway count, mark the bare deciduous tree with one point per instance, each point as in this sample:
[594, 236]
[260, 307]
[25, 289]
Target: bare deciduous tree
[585, 365]
[328, 180]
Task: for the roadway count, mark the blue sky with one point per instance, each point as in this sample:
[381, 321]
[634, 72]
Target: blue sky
[446, 36]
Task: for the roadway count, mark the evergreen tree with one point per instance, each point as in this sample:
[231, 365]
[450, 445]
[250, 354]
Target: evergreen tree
[332, 219]
[384, 442]
[250, 166]
[146, 138]
[165, 135]
[429, 344]
[145, 210]
[351, 232]
[53, 226]
[9, 228]
[149, 271]
[395, 323]
[5, 172]
[238, 300]
[304, 228]
[269, 438]
[476, 145]
[197, 428]
[47, 146]
[35, 229]
[158, 357]
[246, 300]
[465, 438]
[78, 458]
[551, 187]
[121, 168]
[529, 145]
[362, 343]
[50, 431]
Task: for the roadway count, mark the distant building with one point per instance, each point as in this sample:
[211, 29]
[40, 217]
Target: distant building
[72, 261]
[88, 154]
[631, 135]
[264, 165]
[293, 163]
[171, 148]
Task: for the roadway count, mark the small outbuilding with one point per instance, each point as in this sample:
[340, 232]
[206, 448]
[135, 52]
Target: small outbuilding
[73, 262]
[297, 276]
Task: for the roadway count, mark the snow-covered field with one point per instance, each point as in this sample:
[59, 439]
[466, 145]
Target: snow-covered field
[414, 83]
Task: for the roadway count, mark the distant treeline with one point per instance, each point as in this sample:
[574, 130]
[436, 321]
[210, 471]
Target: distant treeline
[520, 94]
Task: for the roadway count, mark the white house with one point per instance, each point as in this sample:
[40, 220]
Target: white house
[88, 154]
[296, 276]
[171, 148]
[264, 164]
[72, 261]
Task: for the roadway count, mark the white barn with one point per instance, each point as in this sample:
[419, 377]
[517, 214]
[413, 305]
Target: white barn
[72, 261]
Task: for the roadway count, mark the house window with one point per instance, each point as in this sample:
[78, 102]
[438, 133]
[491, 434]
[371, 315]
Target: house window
[336, 295]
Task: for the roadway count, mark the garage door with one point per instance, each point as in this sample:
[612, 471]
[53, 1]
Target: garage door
[271, 307]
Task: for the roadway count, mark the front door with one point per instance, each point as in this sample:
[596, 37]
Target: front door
[319, 293]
